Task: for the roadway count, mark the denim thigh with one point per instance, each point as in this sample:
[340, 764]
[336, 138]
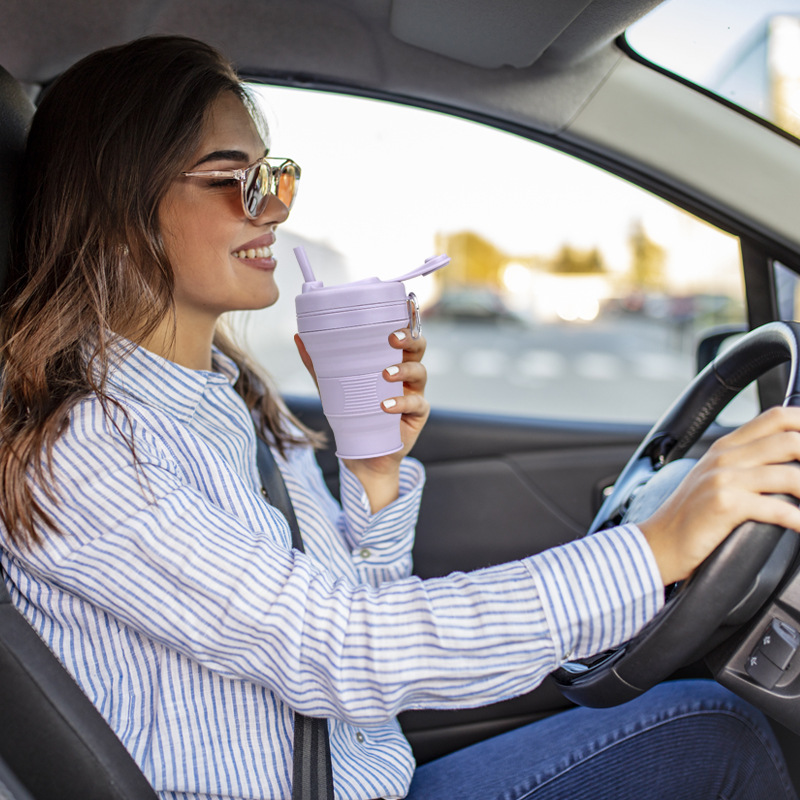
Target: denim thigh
[682, 740]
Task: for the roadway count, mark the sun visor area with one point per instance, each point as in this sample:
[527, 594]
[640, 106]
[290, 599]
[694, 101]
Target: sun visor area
[484, 33]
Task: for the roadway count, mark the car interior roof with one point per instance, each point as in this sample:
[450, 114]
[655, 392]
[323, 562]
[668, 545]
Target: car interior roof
[377, 44]
[550, 69]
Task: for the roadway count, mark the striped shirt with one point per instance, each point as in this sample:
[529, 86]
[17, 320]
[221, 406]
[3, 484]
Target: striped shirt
[173, 596]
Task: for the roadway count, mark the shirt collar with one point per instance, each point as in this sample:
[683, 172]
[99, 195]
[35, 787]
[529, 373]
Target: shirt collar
[157, 381]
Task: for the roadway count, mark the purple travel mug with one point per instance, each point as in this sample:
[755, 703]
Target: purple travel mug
[345, 330]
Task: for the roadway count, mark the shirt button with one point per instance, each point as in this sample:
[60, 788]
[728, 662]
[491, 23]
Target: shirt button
[360, 737]
[264, 491]
[365, 553]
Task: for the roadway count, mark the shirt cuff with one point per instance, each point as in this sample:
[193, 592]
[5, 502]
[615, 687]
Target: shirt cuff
[363, 528]
[598, 592]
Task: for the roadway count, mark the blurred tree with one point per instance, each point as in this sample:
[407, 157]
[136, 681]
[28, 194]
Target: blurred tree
[572, 261]
[474, 260]
[648, 260]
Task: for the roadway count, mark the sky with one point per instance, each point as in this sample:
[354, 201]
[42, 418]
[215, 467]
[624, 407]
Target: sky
[708, 32]
[380, 182]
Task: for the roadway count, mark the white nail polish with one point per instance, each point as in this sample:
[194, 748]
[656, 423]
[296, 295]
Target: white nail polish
[393, 370]
[390, 403]
[400, 335]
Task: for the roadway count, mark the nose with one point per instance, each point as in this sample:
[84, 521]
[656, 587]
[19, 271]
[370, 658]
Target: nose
[274, 213]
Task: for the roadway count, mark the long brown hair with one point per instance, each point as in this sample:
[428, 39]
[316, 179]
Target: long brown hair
[88, 258]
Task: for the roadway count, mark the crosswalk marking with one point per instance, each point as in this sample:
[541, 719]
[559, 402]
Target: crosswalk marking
[542, 365]
[598, 366]
[486, 363]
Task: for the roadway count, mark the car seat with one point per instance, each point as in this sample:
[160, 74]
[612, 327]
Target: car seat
[54, 744]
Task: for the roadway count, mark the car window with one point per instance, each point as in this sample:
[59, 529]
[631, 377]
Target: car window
[743, 51]
[787, 291]
[571, 293]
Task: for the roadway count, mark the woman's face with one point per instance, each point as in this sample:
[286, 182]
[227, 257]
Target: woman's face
[222, 259]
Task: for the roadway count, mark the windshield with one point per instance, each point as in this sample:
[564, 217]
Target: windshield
[745, 51]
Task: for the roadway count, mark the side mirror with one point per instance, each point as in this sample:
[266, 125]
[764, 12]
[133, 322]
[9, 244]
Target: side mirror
[714, 340]
[769, 390]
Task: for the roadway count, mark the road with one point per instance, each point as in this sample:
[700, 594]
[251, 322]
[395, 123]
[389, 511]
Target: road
[614, 369]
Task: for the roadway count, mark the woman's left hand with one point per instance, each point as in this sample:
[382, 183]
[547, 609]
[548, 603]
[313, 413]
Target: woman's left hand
[412, 377]
[380, 476]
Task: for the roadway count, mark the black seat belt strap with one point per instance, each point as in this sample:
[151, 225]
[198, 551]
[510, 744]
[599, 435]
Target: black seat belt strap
[312, 772]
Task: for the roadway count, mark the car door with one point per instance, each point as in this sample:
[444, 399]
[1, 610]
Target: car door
[565, 324]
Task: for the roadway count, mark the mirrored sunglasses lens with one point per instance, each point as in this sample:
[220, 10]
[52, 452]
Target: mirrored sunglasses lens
[287, 184]
[256, 190]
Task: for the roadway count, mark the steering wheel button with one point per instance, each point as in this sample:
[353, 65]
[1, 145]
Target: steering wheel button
[762, 670]
[779, 643]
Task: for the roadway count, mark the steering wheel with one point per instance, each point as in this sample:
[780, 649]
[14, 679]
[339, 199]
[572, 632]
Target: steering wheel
[736, 579]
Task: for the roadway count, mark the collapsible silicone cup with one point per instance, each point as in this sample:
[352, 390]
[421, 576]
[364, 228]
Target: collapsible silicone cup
[345, 330]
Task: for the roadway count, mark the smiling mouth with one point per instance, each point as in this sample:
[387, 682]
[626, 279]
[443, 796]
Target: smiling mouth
[257, 252]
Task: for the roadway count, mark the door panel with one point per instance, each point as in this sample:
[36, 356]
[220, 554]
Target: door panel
[481, 511]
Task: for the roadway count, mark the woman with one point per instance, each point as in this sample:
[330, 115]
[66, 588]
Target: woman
[136, 541]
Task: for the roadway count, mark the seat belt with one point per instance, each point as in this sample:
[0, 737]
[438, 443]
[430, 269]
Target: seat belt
[312, 773]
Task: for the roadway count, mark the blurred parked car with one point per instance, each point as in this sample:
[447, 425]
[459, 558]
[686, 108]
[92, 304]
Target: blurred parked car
[471, 305]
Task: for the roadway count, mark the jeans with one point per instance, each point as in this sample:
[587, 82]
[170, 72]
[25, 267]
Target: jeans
[687, 740]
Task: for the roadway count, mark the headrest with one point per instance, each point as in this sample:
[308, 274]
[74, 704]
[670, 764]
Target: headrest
[16, 111]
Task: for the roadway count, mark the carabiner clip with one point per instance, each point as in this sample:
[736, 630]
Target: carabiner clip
[413, 316]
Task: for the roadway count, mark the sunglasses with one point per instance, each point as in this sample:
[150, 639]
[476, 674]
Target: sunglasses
[277, 176]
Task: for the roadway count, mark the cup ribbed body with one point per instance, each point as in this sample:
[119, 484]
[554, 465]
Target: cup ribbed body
[346, 332]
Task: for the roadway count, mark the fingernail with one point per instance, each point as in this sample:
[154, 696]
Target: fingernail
[390, 403]
[400, 335]
[393, 370]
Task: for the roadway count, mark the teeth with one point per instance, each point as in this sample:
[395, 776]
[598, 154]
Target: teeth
[257, 252]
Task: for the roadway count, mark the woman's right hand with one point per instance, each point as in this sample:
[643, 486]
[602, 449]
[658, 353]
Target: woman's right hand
[731, 484]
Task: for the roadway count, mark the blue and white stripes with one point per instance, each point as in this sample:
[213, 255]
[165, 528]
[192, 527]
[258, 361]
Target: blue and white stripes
[174, 598]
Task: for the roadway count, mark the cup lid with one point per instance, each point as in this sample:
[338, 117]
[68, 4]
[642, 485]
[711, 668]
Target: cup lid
[367, 292]
[431, 265]
[317, 297]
